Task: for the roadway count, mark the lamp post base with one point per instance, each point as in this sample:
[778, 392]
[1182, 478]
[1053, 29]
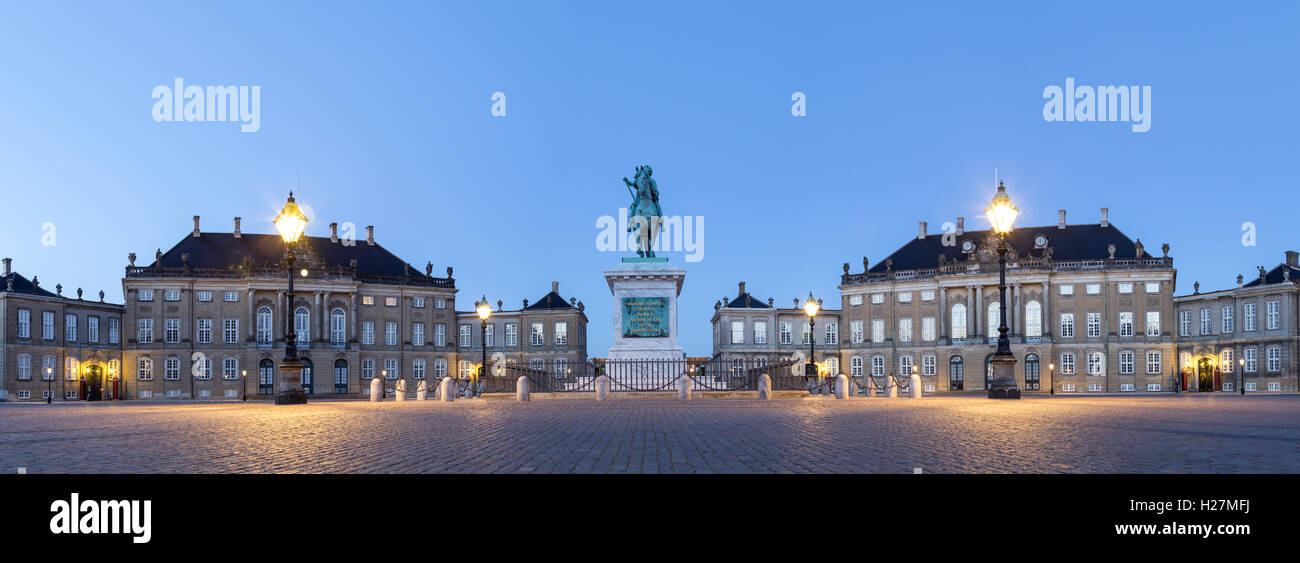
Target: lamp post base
[1003, 385]
[290, 391]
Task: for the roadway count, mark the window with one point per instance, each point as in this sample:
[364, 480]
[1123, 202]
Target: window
[1092, 289]
[1185, 323]
[877, 298]
[144, 295]
[562, 333]
[171, 369]
[877, 366]
[1032, 379]
[1066, 289]
[1205, 322]
[204, 296]
[70, 394]
[927, 295]
[905, 365]
[417, 334]
[390, 334]
[302, 325]
[955, 373]
[418, 303]
[367, 332]
[338, 326]
[489, 336]
[1126, 362]
[927, 329]
[877, 330]
[440, 335]
[1067, 363]
[1125, 288]
[535, 364]
[1273, 358]
[113, 331]
[367, 369]
[205, 368]
[1225, 360]
[1248, 355]
[1067, 325]
[24, 394]
[390, 368]
[832, 333]
[47, 368]
[70, 328]
[144, 331]
[786, 335]
[230, 368]
[417, 368]
[905, 329]
[833, 366]
[959, 321]
[1153, 323]
[1033, 319]
[24, 367]
[1153, 365]
[807, 333]
[24, 323]
[92, 329]
[440, 304]
[855, 300]
[904, 297]
[1067, 387]
[1153, 287]
[536, 337]
[466, 336]
[512, 334]
[855, 366]
[171, 295]
[928, 365]
[760, 332]
[994, 320]
[390, 301]
[1274, 386]
[1249, 386]
[1095, 363]
[171, 331]
[144, 369]
[264, 326]
[1227, 319]
[72, 370]
[265, 377]
[367, 300]
[1248, 311]
[203, 331]
[231, 296]
[1094, 325]
[1272, 315]
[47, 325]
[439, 368]
[1126, 323]
[855, 332]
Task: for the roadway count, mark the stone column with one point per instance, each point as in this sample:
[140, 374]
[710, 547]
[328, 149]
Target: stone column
[316, 299]
[352, 307]
[943, 308]
[1047, 309]
[1013, 310]
[979, 312]
[284, 323]
[252, 315]
[325, 317]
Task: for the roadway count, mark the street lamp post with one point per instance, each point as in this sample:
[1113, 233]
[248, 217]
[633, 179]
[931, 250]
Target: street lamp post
[1241, 374]
[1002, 214]
[810, 308]
[49, 386]
[243, 379]
[291, 223]
[1051, 378]
[484, 311]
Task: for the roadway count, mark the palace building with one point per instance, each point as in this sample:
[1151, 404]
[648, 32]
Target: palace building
[749, 332]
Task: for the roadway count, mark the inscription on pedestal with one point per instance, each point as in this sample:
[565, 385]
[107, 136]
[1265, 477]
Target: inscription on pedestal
[645, 317]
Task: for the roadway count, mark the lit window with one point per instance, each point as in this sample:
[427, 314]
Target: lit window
[367, 300]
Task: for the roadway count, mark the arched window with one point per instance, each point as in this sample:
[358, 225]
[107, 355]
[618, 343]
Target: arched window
[265, 376]
[264, 332]
[995, 319]
[338, 326]
[956, 375]
[302, 324]
[1033, 319]
[855, 366]
[959, 321]
[1031, 372]
[340, 376]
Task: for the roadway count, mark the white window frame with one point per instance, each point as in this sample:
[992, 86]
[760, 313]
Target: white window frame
[1067, 325]
[1154, 362]
[1126, 323]
[1094, 325]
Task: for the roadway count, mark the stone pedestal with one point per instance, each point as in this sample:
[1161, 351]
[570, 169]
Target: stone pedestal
[645, 294]
[290, 390]
[1004, 385]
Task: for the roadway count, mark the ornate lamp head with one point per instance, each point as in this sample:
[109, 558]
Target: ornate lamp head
[1001, 211]
[290, 222]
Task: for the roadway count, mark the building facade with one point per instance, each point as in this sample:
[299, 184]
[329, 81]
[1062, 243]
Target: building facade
[1247, 337]
[548, 335]
[748, 332]
[55, 345]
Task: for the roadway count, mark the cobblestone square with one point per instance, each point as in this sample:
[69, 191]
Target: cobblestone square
[1151, 434]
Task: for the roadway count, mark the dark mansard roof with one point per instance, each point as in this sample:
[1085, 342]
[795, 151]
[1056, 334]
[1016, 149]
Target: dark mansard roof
[1074, 242]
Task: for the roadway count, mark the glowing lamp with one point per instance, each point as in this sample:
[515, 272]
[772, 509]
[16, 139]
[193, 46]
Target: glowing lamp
[811, 306]
[1001, 211]
[290, 222]
[483, 309]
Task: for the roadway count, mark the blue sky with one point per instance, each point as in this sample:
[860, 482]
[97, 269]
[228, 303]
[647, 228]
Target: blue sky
[384, 109]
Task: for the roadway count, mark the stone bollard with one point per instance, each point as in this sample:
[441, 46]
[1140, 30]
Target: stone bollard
[684, 388]
[871, 387]
[915, 391]
[891, 387]
[376, 390]
[841, 386]
[853, 387]
[765, 387]
[422, 391]
[521, 389]
[447, 390]
[399, 393]
[602, 387]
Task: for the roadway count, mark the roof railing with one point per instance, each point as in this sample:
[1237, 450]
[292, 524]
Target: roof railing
[255, 272]
[1025, 265]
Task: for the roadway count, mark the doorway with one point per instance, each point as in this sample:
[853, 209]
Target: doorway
[1205, 375]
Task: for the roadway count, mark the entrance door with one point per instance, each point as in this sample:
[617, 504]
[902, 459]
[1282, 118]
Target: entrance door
[340, 376]
[94, 383]
[1205, 375]
[307, 384]
[1031, 372]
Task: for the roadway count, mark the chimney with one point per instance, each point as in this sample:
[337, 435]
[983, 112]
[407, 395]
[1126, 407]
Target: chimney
[334, 232]
[961, 225]
[8, 265]
[1292, 260]
[196, 226]
[921, 233]
[1105, 217]
[1060, 218]
[370, 235]
[555, 287]
[237, 233]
